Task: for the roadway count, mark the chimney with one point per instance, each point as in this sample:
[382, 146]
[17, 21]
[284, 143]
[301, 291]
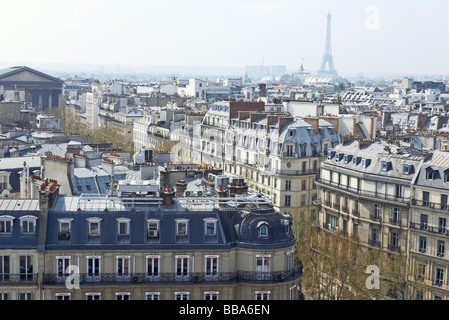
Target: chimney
[271, 120]
[314, 122]
[168, 195]
[282, 121]
[81, 161]
[181, 187]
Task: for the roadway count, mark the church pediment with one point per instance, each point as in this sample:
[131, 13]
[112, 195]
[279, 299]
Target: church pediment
[27, 75]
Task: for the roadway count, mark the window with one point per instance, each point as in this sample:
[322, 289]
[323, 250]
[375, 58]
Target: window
[446, 176]
[444, 205]
[288, 185]
[93, 267]
[26, 268]
[442, 225]
[25, 296]
[287, 201]
[6, 223]
[407, 169]
[263, 295]
[182, 266]
[366, 163]
[4, 268]
[421, 272]
[181, 227]
[153, 265]
[62, 265]
[64, 229]
[62, 296]
[422, 244]
[440, 248]
[153, 295]
[355, 230]
[303, 185]
[394, 241]
[153, 228]
[123, 226]
[28, 224]
[423, 225]
[123, 267]
[210, 227]
[94, 226]
[182, 295]
[376, 212]
[4, 296]
[122, 295]
[93, 295]
[303, 200]
[439, 277]
[289, 152]
[430, 174]
[211, 266]
[263, 229]
[396, 215]
[210, 295]
[263, 266]
[385, 166]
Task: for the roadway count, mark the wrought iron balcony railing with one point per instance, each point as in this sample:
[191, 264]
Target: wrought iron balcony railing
[172, 277]
[12, 279]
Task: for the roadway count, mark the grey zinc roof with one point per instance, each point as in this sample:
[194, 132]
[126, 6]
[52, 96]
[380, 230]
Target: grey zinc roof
[376, 154]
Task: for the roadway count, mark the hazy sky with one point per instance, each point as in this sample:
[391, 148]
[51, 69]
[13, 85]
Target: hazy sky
[401, 36]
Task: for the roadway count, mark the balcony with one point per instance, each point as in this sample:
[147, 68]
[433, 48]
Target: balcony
[369, 195]
[336, 206]
[174, 278]
[375, 217]
[431, 205]
[430, 229]
[345, 209]
[10, 279]
[356, 212]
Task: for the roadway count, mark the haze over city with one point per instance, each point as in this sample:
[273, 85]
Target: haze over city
[182, 36]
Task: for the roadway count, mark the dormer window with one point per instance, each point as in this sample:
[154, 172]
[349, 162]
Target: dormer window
[356, 160]
[94, 226]
[28, 224]
[366, 163]
[348, 158]
[431, 173]
[6, 223]
[386, 166]
[263, 228]
[65, 226]
[340, 156]
[210, 227]
[153, 228]
[123, 226]
[446, 176]
[407, 169]
[182, 227]
[332, 155]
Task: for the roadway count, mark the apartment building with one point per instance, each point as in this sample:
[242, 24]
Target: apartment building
[429, 264]
[279, 155]
[157, 245]
[365, 191]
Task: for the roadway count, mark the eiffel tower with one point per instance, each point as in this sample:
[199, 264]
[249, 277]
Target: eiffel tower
[328, 60]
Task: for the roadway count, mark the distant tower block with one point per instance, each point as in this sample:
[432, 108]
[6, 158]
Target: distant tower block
[327, 65]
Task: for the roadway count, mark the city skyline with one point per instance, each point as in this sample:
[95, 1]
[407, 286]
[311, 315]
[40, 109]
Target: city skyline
[368, 36]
